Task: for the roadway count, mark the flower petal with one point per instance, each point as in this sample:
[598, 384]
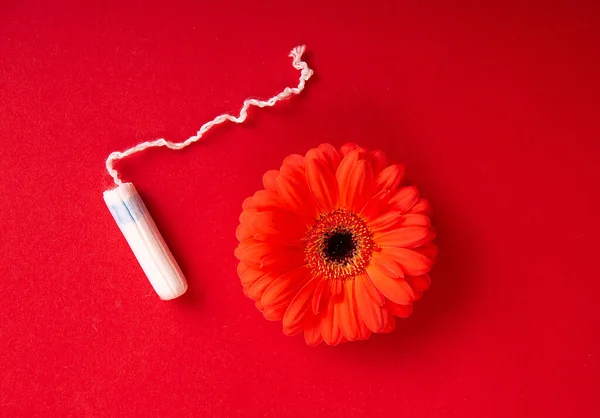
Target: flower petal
[412, 262]
[243, 232]
[419, 283]
[370, 312]
[242, 268]
[390, 321]
[349, 147]
[359, 187]
[396, 290]
[345, 313]
[429, 250]
[423, 207]
[248, 204]
[329, 327]
[282, 259]
[256, 290]
[414, 219]
[378, 160]
[299, 308]
[401, 311]
[343, 174]
[331, 155]
[250, 276]
[335, 287]
[376, 205]
[246, 216]
[321, 296]
[269, 180]
[409, 237]
[404, 198]
[312, 335]
[292, 165]
[274, 314]
[279, 222]
[321, 181]
[384, 222]
[295, 194]
[386, 264]
[251, 252]
[363, 331]
[390, 177]
[285, 287]
[266, 200]
[257, 303]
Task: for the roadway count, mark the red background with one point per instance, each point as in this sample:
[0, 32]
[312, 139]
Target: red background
[494, 108]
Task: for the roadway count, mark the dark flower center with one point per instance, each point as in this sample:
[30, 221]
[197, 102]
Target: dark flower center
[339, 246]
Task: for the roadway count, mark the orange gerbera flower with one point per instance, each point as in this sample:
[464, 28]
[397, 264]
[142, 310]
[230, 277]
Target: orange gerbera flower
[335, 245]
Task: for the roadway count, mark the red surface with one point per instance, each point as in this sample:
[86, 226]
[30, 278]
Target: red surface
[493, 108]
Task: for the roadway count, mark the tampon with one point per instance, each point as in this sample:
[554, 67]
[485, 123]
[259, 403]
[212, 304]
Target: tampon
[145, 240]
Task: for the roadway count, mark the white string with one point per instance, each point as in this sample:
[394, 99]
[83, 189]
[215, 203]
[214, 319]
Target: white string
[305, 74]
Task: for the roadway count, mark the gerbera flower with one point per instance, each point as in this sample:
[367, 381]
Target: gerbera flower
[335, 245]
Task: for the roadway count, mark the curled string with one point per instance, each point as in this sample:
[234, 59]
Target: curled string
[305, 74]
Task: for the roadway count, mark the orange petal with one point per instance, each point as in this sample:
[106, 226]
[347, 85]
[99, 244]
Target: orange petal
[345, 313]
[363, 331]
[269, 180]
[335, 287]
[429, 250]
[312, 336]
[423, 207]
[327, 326]
[359, 187]
[414, 219]
[419, 283]
[250, 276]
[282, 259]
[246, 216]
[376, 205]
[321, 181]
[401, 311]
[369, 311]
[294, 192]
[292, 164]
[266, 200]
[285, 287]
[321, 296]
[331, 155]
[274, 314]
[336, 335]
[390, 177]
[299, 308]
[243, 232]
[386, 264]
[248, 204]
[372, 291]
[252, 252]
[278, 222]
[349, 147]
[256, 290]
[412, 262]
[404, 198]
[409, 237]
[396, 290]
[390, 321]
[343, 174]
[378, 160]
[242, 268]
[384, 222]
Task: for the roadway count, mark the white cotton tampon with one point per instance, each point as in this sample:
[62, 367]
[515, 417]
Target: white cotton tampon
[145, 240]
